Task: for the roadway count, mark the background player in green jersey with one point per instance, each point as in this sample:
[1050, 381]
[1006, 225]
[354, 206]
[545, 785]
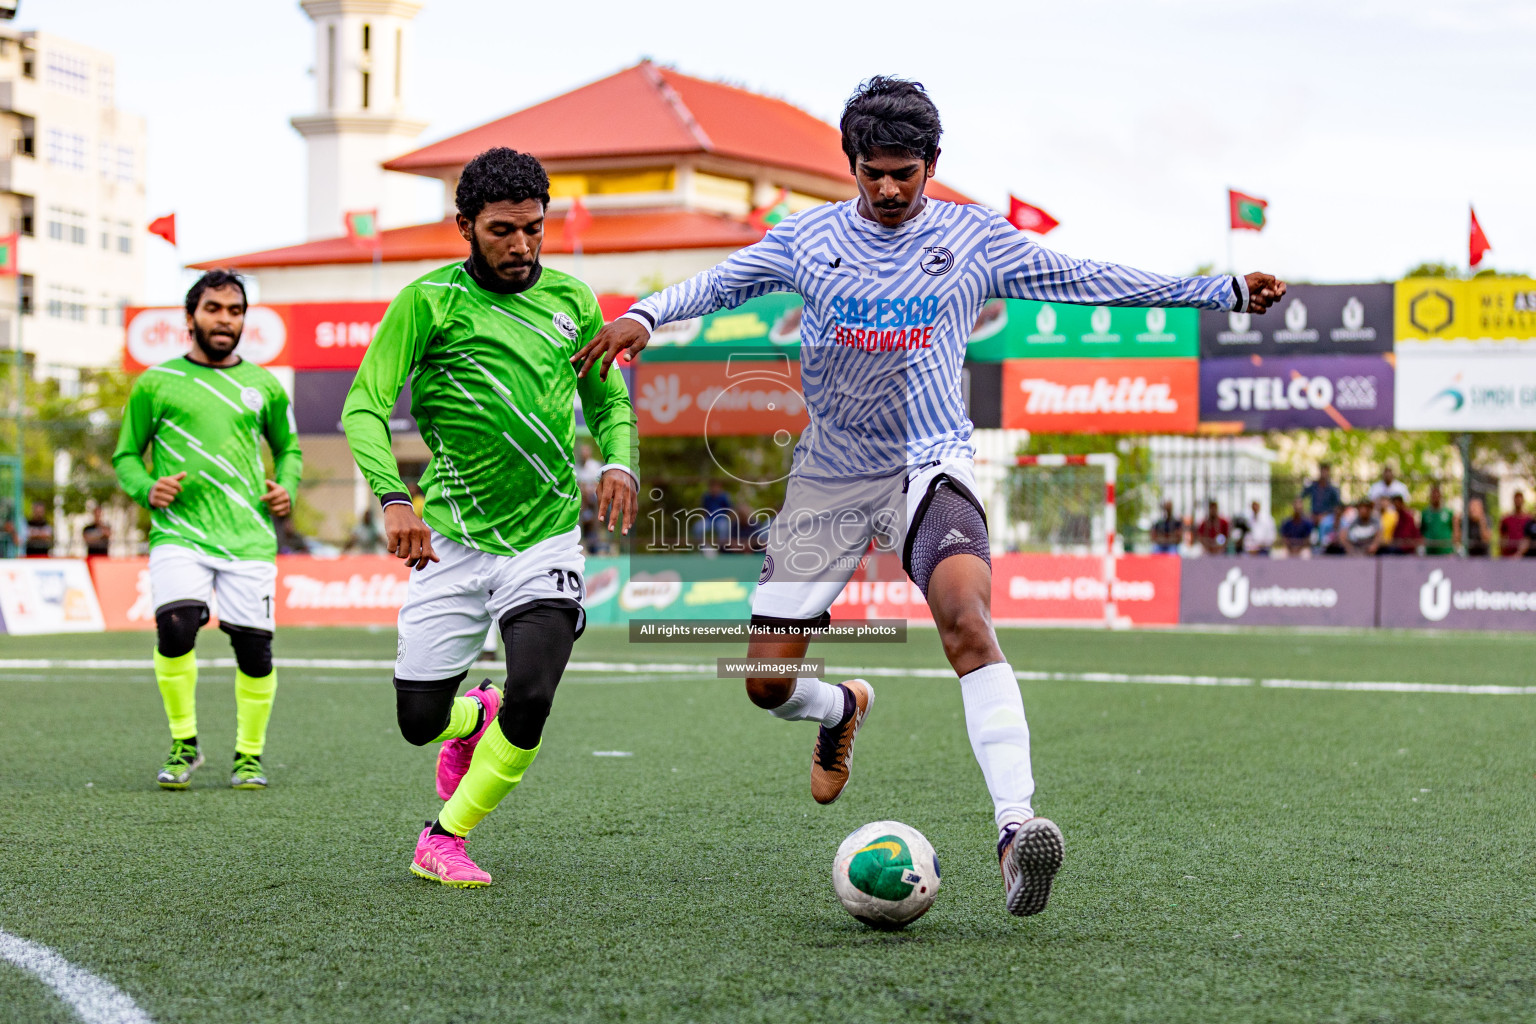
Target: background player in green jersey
[211, 507]
[486, 346]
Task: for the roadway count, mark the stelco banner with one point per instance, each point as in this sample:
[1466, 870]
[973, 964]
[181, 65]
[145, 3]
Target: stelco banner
[1101, 396]
[1280, 392]
[1485, 312]
[1312, 319]
[1263, 592]
[1440, 388]
[1458, 593]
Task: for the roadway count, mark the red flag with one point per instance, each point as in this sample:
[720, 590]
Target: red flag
[1477, 242]
[165, 227]
[1028, 217]
[1247, 211]
[765, 217]
[8, 244]
[577, 220]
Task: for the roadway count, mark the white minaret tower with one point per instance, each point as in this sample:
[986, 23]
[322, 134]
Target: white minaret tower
[360, 66]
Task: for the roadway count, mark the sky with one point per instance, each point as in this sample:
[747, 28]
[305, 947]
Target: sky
[1368, 125]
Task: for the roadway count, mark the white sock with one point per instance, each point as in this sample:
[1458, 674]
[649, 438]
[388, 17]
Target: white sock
[994, 718]
[812, 699]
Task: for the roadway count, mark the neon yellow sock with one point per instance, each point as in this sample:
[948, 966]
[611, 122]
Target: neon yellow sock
[253, 707]
[463, 717]
[495, 771]
[178, 689]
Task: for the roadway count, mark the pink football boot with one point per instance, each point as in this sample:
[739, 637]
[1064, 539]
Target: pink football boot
[442, 859]
[454, 756]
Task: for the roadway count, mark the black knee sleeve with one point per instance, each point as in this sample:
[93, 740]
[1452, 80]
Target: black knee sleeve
[253, 649]
[422, 707]
[177, 624]
[948, 523]
[539, 639]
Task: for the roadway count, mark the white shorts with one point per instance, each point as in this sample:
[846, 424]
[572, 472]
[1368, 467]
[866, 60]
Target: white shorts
[240, 591]
[451, 603]
[825, 529]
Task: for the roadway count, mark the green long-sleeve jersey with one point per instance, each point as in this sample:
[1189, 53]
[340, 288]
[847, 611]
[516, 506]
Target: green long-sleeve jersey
[493, 392]
[208, 422]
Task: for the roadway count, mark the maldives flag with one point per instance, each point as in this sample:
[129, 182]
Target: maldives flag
[165, 227]
[1247, 211]
[1028, 217]
[577, 220]
[362, 227]
[8, 245]
[1477, 242]
[765, 217]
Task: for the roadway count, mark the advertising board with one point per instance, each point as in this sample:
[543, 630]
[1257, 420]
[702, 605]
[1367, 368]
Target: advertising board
[47, 595]
[1444, 389]
[1279, 592]
[1491, 313]
[1286, 392]
[1312, 320]
[1101, 396]
[1458, 593]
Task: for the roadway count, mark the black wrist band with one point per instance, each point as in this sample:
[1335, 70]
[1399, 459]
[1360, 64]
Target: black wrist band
[648, 318]
[394, 496]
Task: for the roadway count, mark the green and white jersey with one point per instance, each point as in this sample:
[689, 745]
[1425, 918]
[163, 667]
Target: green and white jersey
[493, 392]
[208, 422]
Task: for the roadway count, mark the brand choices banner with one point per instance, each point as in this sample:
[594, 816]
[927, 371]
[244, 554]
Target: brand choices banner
[1439, 388]
[1282, 392]
[1281, 592]
[1485, 312]
[1093, 396]
[1312, 319]
[1458, 593]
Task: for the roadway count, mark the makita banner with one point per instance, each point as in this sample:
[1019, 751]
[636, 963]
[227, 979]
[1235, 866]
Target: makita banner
[1283, 392]
[1101, 396]
[1279, 592]
[1312, 319]
[1458, 593]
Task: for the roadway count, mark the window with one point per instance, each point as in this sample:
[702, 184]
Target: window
[66, 303]
[104, 159]
[28, 290]
[66, 225]
[124, 237]
[125, 164]
[67, 73]
[365, 90]
[104, 84]
[330, 67]
[399, 47]
[28, 63]
[367, 36]
[28, 216]
[26, 142]
[106, 240]
[65, 149]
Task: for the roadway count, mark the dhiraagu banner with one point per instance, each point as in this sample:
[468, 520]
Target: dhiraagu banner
[1005, 329]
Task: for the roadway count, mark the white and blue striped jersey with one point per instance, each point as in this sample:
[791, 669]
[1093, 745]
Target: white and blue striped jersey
[887, 315]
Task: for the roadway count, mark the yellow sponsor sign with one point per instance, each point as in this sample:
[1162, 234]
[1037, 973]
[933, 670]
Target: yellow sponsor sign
[1485, 309]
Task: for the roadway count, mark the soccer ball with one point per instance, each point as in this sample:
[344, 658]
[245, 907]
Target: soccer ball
[886, 874]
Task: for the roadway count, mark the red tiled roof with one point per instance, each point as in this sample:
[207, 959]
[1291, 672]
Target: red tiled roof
[647, 110]
[440, 240]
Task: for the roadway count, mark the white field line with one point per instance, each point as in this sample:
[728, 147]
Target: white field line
[94, 1001]
[638, 671]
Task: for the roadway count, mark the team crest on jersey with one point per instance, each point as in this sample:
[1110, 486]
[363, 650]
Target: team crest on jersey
[252, 399]
[767, 573]
[937, 260]
[566, 326]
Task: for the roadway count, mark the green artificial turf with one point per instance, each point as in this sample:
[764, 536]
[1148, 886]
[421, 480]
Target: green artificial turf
[1233, 853]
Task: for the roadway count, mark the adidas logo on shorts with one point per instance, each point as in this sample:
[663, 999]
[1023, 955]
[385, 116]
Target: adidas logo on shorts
[954, 537]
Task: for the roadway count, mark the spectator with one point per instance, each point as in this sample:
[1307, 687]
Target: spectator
[1213, 530]
[1167, 532]
[1511, 529]
[1330, 531]
[588, 470]
[1406, 535]
[97, 535]
[1387, 488]
[1261, 531]
[719, 513]
[1439, 525]
[1528, 542]
[10, 544]
[1296, 531]
[1323, 496]
[289, 540]
[1477, 529]
[39, 532]
[418, 499]
[1363, 536]
[365, 539]
[1386, 512]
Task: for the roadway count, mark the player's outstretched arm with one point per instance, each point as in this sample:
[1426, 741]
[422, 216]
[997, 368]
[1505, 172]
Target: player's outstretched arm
[767, 266]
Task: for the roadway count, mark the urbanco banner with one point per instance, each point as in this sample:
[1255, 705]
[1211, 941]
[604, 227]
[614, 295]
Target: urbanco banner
[1312, 319]
[1231, 591]
[1286, 392]
[1458, 593]
[1446, 389]
[1101, 396]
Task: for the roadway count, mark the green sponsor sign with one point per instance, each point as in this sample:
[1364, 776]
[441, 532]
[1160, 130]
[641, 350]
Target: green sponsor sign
[670, 586]
[1006, 329]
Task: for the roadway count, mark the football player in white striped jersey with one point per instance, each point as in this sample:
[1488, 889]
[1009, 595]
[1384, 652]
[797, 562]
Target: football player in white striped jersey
[892, 282]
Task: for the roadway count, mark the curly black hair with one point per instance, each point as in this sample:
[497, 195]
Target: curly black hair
[500, 174]
[215, 278]
[890, 113]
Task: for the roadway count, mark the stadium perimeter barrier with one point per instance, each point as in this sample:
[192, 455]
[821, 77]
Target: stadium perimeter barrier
[73, 595]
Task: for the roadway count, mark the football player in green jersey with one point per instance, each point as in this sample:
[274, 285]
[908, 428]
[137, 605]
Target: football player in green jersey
[211, 507]
[486, 345]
